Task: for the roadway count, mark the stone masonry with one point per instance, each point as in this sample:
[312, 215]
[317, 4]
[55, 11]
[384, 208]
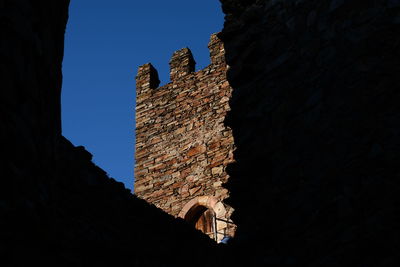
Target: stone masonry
[182, 144]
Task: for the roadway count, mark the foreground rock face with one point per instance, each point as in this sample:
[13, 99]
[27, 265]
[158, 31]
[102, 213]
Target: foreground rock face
[315, 118]
[56, 207]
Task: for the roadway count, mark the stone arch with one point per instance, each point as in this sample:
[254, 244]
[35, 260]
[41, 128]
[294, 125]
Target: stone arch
[203, 213]
[209, 202]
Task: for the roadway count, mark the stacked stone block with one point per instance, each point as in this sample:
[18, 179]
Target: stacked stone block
[182, 144]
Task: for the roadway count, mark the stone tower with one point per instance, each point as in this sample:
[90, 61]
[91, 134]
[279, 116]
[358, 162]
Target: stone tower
[182, 144]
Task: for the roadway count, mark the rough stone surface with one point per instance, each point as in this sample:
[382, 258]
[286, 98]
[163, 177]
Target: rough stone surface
[56, 207]
[314, 114]
[182, 145]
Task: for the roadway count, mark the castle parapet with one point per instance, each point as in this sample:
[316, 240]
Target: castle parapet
[182, 144]
[146, 79]
[181, 64]
[217, 51]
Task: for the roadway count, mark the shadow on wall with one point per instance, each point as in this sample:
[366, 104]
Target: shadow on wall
[315, 121]
[315, 117]
[57, 208]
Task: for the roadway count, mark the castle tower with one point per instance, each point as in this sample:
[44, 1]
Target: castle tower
[182, 144]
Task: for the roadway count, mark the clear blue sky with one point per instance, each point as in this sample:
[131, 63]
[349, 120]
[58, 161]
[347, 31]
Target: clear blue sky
[106, 41]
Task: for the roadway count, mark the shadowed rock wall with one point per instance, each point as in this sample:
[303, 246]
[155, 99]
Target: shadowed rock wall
[315, 118]
[56, 207]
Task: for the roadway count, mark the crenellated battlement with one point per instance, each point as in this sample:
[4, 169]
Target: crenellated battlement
[217, 50]
[146, 79]
[182, 145]
[181, 64]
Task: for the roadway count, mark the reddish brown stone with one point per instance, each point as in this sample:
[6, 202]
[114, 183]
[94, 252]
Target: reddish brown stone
[195, 150]
[182, 145]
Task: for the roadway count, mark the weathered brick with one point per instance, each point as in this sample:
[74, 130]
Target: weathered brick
[180, 132]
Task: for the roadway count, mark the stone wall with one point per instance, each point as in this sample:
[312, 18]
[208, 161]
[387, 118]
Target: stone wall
[314, 114]
[182, 145]
[315, 118]
[57, 208]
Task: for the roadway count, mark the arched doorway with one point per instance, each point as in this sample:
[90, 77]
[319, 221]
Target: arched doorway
[209, 215]
[202, 218]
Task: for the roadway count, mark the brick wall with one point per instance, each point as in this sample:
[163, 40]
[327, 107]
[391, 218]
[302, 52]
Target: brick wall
[182, 145]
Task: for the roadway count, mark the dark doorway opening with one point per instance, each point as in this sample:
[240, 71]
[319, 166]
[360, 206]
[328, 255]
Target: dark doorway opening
[202, 218]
